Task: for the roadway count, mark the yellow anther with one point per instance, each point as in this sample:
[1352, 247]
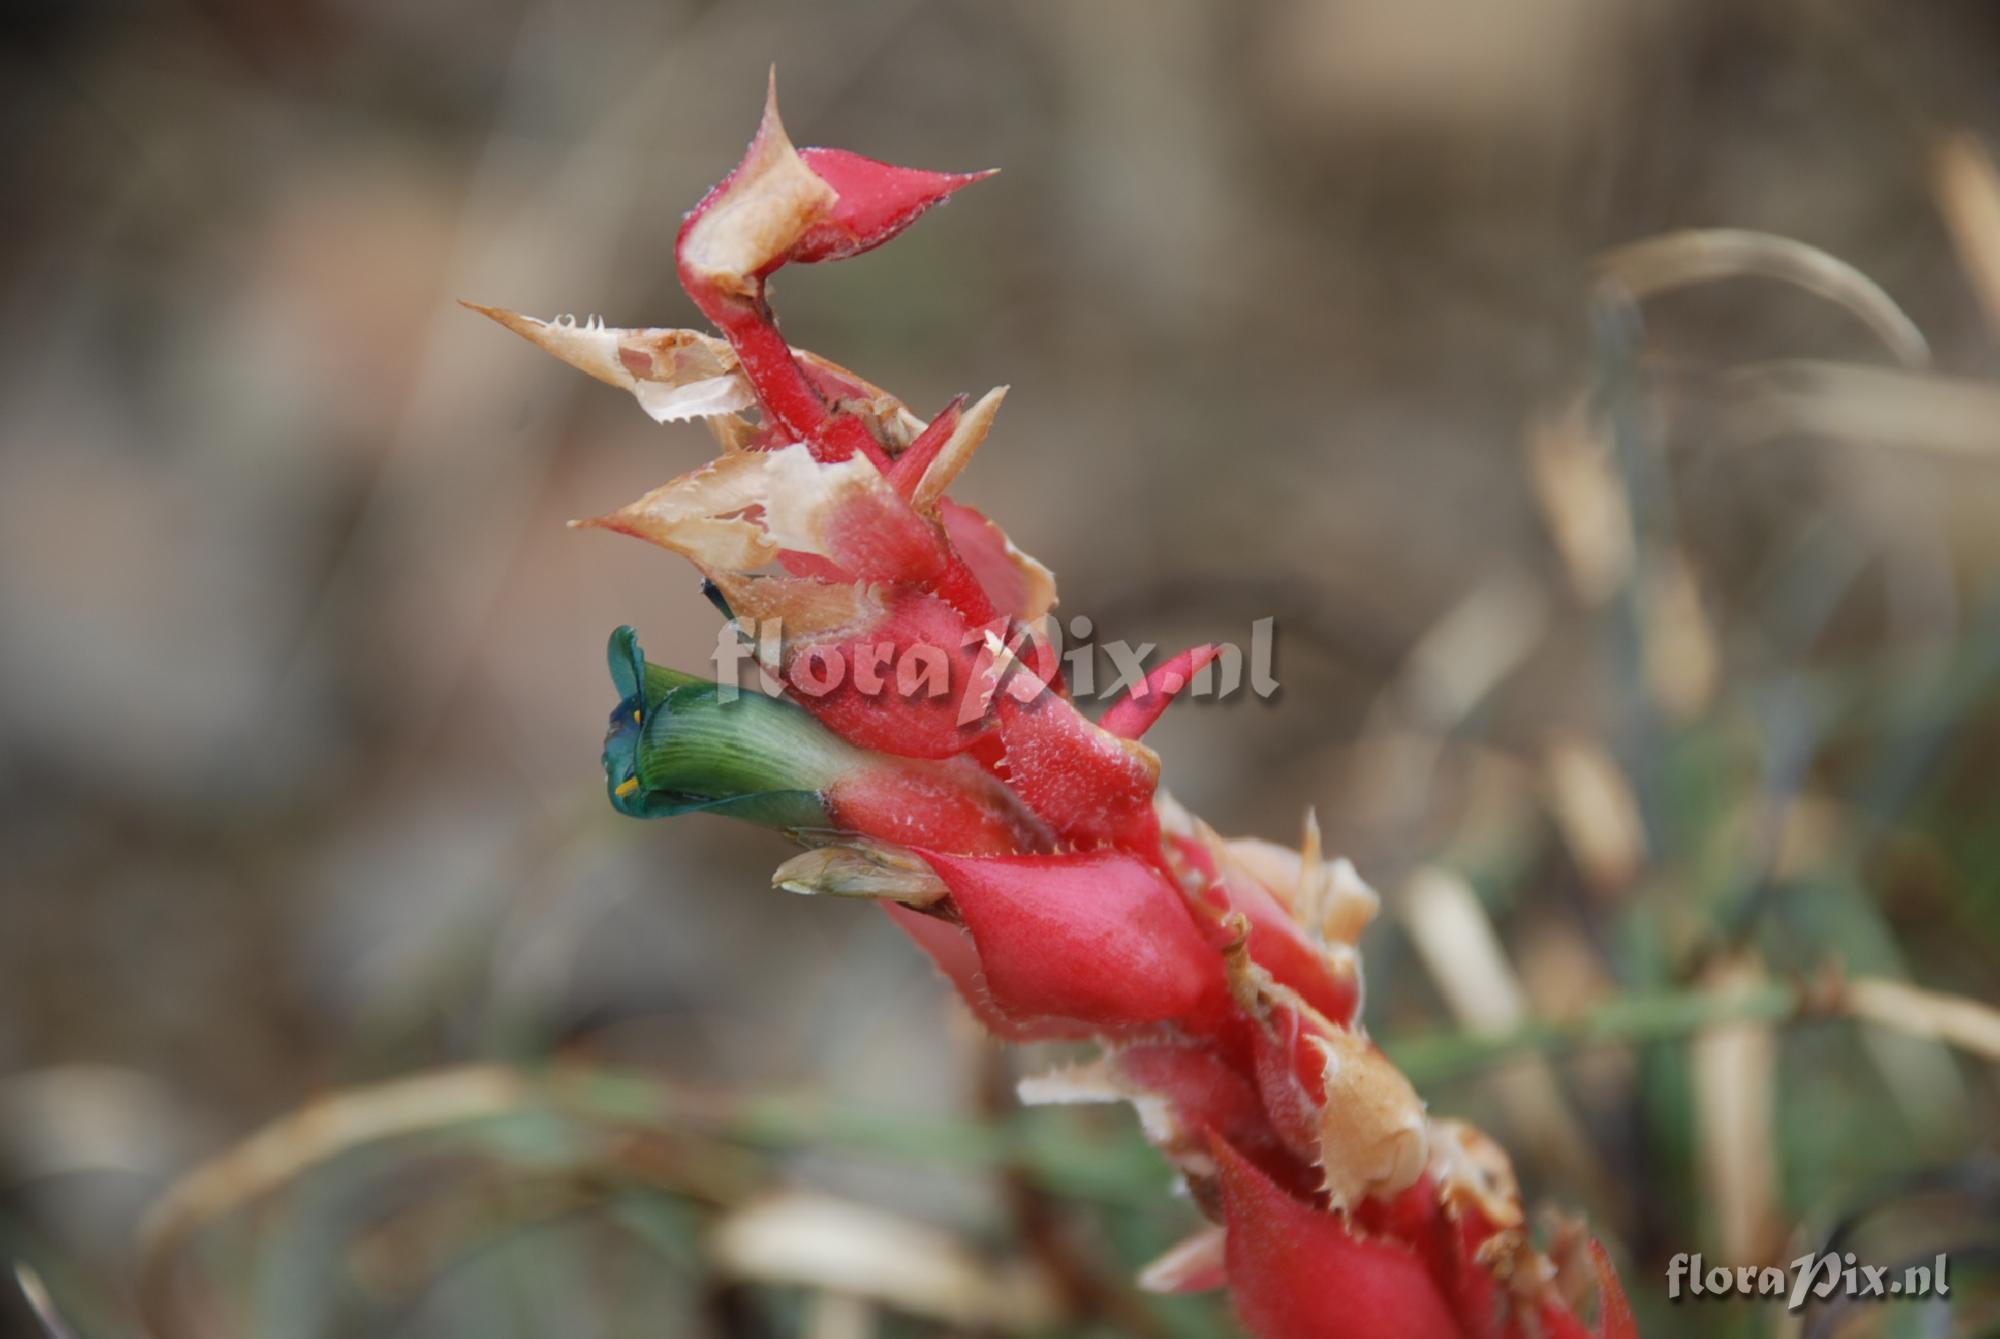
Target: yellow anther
[626, 787]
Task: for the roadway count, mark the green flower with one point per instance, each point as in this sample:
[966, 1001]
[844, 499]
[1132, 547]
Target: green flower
[676, 744]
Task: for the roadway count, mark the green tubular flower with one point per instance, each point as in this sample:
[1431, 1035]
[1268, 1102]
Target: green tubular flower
[675, 746]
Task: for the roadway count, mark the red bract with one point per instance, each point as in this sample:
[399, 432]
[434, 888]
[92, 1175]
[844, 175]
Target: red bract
[1018, 586]
[1324, 976]
[927, 662]
[951, 949]
[940, 766]
[908, 470]
[1133, 715]
[781, 205]
[1615, 1319]
[1099, 938]
[1325, 981]
[874, 201]
[1091, 786]
[1300, 1273]
[951, 806]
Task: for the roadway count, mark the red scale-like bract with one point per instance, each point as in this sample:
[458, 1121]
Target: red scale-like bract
[1221, 977]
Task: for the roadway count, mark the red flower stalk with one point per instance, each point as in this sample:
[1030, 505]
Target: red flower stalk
[1029, 851]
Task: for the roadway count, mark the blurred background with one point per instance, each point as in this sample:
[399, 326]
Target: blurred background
[1638, 625]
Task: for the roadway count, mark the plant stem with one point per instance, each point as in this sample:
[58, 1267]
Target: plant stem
[1639, 1019]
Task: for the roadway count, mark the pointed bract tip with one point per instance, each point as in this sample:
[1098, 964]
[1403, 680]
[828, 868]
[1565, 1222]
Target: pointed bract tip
[1614, 1311]
[751, 221]
[967, 434]
[771, 117]
[1134, 714]
[877, 200]
[513, 320]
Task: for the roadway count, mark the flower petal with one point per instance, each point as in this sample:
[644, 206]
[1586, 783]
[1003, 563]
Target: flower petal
[741, 231]
[900, 677]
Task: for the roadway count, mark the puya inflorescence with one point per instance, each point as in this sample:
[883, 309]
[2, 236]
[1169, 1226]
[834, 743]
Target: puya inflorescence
[924, 748]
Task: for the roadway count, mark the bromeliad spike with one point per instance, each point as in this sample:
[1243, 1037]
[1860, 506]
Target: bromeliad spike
[927, 752]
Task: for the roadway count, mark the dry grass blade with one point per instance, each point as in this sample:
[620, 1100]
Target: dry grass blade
[44, 1306]
[1970, 1025]
[1464, 656]
[1458, 944]
[1467, 653]
[1683, 662]
[1734, 1070]
[282, 1150]
[1968, 193]
[1964, 1023]
[860, 1251]
[1583, 500]
[1705, 255]
[1465, 957]
[1852, 402]
[839, 1316]
[1597, 813]
[603, 1100]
